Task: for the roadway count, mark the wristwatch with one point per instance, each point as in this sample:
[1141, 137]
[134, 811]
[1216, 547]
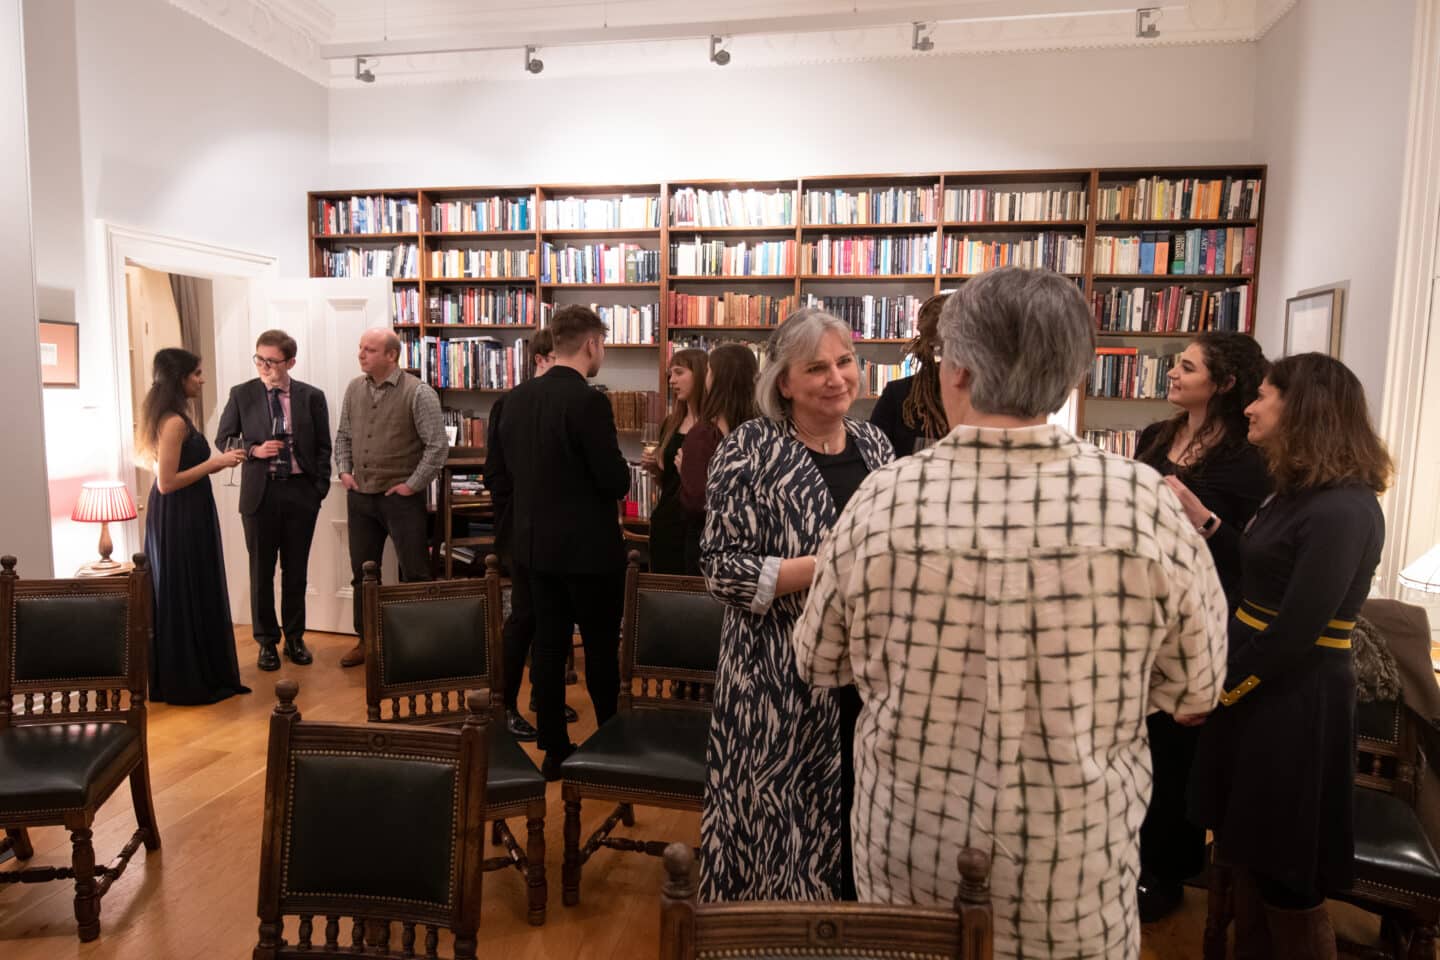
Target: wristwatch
[1209, 526]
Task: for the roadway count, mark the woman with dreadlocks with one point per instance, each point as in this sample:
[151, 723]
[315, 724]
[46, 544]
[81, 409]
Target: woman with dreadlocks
[909, 410]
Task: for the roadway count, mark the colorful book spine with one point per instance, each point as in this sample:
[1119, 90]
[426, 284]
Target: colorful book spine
[1061, 252]
[691, 207]
[500, 264]
[600, 263]
[729, 310]
[874, 318]
[482, 215]
[400, 262]
[988, 205]
[366, 215]
[483, 306]
[715, 258]
[883, 255]
[844, 207]
[474, 363]
[602, 213]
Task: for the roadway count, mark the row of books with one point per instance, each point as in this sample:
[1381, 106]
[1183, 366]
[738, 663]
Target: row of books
[729, 310]
[629, 324]
[874, 377]
[1171, 309]
[708, 343]
[869, 255]
[485, 213]
[378, 214]
[464, 429]
[1123, 442]
[600, 263]
[1197, 252]
[1126, 373]
[1188, 198]
[411, 354]
[601, 213]
[715, 258]
[872, 317]
[473, 363]
[633, 408]
[882, 205]
[402, 261]
[498, 306]
[452, 264]
[690, 207]
[1061, 252]
[405, 304]
[984, 204]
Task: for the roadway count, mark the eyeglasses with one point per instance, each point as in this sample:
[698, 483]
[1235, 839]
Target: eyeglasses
[267, 363]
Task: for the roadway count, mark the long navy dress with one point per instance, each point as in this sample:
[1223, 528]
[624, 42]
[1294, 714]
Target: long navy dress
[193, 659]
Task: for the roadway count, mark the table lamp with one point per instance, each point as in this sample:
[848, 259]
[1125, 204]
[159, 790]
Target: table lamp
[100, 502]
[1424, 573]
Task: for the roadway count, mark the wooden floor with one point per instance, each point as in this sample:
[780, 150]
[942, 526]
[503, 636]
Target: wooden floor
[196, 896]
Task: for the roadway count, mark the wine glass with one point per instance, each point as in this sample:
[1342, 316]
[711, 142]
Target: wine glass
[233, 443]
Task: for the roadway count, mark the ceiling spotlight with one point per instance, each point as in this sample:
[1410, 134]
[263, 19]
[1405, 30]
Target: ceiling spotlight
[920, 37]
[533, 63]
[363, 73]
[718, 55]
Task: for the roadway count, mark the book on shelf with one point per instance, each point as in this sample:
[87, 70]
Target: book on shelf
[729, 310]
[633, 408]
[851, 207]
[490, 306]
[481, 214]
[1061, 252]
[400, 261]
[405, 304]
[716, 258]
[698, 207]
[708, 342]
[1123, 442]
[600, 263]
[989, 205]
[412, 357]
[1173, 309]
[874, 318]
[1199, 251]
[1127, 374]
[474, 363]
[629, 324]
[1186, 198]
[373, 214]
[465, 429]
[874, 377]
[870, 255]
[601, 213]
[481, 264]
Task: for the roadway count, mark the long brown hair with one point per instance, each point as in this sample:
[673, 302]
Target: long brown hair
[165, 397]
[731, 397]
[1230, 358]
[694, 361]
[1324, 437]
[923, 410]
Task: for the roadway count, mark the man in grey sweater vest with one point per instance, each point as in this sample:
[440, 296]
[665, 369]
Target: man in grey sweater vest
[391, 443]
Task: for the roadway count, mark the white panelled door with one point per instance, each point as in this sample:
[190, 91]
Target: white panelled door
[326, 318]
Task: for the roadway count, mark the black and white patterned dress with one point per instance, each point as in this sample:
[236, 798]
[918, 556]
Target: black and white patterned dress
[771, 824]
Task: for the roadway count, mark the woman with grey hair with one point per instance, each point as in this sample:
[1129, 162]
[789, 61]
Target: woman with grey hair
[775, 824]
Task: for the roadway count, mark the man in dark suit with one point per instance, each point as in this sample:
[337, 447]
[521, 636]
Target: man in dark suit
[563, 456]
[285, 426]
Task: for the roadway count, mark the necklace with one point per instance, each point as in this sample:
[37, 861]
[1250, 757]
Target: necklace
[817, 438]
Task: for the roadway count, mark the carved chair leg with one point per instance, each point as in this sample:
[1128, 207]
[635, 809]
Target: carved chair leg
[535, 861]
[144, 805]
[20, 843]
[1218, 907]
[496, 835]
[627, 814]
[570, 871]
[87, 902]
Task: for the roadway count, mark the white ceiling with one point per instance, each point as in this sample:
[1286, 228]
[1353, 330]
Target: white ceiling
[426, 41]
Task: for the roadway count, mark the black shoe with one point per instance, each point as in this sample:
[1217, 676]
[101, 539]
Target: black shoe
[1158, 900]
[268, 659]
[296, 652]
[550, 769]
[518, 726]
[570, 715]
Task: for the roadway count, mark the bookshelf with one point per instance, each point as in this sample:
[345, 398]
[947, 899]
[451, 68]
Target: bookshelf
[479, 268]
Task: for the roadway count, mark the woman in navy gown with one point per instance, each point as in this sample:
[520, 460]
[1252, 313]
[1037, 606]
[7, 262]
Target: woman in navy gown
[193, 659]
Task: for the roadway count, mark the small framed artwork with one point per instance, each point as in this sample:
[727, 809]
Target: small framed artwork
[1312, 322]
[59, 353]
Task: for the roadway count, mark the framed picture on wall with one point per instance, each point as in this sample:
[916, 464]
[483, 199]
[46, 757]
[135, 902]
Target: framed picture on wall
[59, 353]
[1312, 322]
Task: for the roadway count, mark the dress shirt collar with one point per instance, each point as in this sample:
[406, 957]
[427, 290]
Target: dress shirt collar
[393, 379]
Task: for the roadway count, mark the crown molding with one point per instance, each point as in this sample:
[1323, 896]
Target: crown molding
[287, 31]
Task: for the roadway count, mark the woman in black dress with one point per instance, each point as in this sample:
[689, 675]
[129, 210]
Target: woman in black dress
[1204, 445]
[193, 659]
[729, 402]
[909, 409]
[1274, 775]
[667, 519]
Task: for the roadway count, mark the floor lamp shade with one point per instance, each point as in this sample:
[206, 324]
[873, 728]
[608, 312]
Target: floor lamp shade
[1424, 573]
[102, 501]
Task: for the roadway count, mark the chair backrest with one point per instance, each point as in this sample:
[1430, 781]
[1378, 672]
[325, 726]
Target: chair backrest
[760, 930]
[330, 791]
[74, 650]
[670, 640]
[1388, 749]
[427, 643]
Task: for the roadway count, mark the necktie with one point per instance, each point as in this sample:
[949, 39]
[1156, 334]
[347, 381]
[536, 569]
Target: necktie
[280, 465]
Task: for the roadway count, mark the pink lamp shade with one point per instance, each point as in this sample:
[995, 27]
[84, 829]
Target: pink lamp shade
[103, 500]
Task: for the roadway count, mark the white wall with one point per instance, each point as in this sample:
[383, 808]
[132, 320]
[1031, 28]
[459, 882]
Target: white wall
[946, 112]
[146, 117]
[1331, 114]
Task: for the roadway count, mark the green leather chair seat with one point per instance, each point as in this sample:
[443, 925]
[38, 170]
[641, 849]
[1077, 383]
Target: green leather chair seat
[512, 777]
[661, 751]
[57, 766]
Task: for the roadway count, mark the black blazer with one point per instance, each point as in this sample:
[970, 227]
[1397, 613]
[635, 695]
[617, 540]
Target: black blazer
[498, 482]
[558, 446]
[247, 414]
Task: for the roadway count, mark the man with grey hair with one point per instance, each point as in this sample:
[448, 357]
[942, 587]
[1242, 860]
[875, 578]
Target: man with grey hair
[390, 444]
[1011, 604]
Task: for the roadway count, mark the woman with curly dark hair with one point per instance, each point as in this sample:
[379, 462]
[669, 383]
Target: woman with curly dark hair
[1204, 445]
[909, 409]
[1274, 775]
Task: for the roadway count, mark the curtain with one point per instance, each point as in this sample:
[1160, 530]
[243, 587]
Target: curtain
[186, 291]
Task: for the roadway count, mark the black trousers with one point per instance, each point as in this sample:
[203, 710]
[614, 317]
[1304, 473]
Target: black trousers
[561, 601]
[518, 631]
[373, 517]
[1172, 849]
[282, 528]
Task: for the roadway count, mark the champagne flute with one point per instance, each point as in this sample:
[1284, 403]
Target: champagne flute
[233, 443]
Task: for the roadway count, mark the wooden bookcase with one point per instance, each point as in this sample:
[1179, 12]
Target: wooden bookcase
[927, 231]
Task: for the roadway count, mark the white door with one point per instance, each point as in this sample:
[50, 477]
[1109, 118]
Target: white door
[326, 318]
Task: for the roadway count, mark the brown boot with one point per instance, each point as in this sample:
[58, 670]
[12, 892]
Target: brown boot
[1302, 934]
[1252, 930]
[355, 657]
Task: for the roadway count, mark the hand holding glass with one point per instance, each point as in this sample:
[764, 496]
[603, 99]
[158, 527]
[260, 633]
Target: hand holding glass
[233, 443]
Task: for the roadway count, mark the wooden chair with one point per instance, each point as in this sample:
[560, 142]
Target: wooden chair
[425, 645]
[652, 752]
[761, 930]
[328, 788]
[73, 675]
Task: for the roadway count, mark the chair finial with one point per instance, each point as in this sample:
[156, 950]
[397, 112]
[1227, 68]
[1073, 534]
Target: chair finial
[371, 570]
[974, 875]
[679, 870]
[634, 558]
[477, 706]
[286, 691]
[8, 562]
[141, 561]
[492, 562]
